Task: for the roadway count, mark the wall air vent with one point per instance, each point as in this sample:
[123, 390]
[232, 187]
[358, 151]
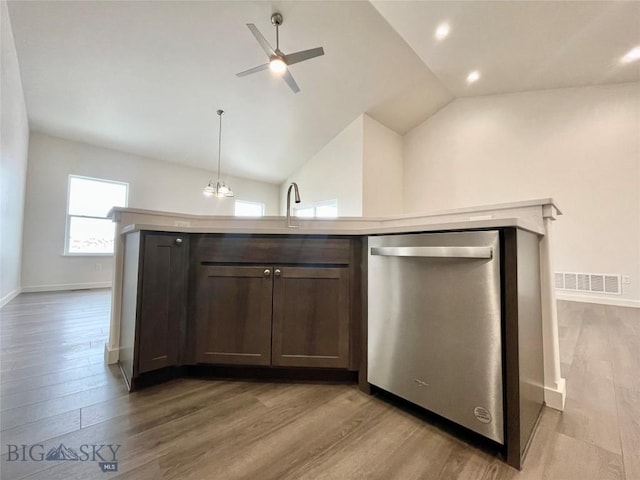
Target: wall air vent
[588, 282]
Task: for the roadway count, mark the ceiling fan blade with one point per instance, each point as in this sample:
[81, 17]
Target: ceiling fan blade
[290, 81]
[261, 40]
[303, 55]
[259, 68]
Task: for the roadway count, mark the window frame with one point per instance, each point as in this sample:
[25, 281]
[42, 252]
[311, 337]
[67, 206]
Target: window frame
[67, 229]
[262, 208]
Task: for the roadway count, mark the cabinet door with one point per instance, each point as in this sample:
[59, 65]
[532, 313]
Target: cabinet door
[162, 301]
[311, 317]
[233, 315]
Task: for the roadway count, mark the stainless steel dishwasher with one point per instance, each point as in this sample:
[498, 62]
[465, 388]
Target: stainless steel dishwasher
[434, 328]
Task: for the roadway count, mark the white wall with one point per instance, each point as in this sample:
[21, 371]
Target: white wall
[382, 170]
[580, 146]
[335, 172]
[358, 168]
[153, 184]
[14, 143]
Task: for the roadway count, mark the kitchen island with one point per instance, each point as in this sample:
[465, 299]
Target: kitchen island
[255, 297]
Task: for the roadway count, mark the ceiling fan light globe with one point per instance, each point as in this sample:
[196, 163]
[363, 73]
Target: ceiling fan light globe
[277, 65]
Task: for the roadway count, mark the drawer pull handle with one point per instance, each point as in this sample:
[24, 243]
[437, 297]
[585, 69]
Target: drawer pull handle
[178, 241]
[278, 272]
[267, 272]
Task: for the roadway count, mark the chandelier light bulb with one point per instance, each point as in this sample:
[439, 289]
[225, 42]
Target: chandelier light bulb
[208, 191]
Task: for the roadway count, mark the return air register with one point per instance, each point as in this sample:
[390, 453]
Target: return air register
[588, 282]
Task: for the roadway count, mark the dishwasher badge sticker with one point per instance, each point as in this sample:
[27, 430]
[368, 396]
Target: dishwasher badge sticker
[482, 414]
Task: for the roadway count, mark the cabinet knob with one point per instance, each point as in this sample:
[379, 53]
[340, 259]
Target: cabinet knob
[277, 272]
[178, 241]
[267, 272]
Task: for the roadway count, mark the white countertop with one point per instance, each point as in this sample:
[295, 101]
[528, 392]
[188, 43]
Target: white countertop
[527, 215]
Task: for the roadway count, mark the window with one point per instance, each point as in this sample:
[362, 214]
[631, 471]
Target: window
[328, 209]
[249, 209]
[89, 231]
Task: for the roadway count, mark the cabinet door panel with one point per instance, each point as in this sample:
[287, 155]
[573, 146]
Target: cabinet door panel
[234, 315]
[162, 301]
[311, 317]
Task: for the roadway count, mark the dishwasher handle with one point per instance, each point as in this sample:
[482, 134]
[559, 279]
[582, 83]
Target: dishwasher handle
[438, 252]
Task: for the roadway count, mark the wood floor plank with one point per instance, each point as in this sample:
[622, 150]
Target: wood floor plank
[593, 341]
[597, 392]
[598, 427]
[38, 411]
[574, 459]
[140, 434]
[147, 406]
[10, 387]
[43, 430]
[193, 428]
[17, 372]
[50, 392]
[629, 412]
[625, 347]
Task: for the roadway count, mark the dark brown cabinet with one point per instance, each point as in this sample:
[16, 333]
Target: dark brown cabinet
[154, 295]
[204, 302]
[233, 315]
[277, 301]
[310, 317]
[163, 300]
[266, 315]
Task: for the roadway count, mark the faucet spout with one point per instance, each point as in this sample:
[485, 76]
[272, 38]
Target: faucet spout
[293, 185]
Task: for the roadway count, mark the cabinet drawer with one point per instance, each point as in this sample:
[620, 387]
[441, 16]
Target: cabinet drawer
[272, 250]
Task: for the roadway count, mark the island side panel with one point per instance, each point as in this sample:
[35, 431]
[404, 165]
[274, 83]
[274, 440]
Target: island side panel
[511, 360]
[363, 383]
[531, 356]
[129, 311]
[355, 318]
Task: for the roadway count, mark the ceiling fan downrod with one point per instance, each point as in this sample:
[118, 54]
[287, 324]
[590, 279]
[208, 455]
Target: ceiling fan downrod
[276, 21]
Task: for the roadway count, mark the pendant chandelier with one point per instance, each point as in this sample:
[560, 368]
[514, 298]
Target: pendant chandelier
[220, 189]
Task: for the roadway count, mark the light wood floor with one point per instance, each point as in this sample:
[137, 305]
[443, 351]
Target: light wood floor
[55, 389]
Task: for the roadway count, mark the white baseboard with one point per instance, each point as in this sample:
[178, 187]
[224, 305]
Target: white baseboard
[555, 397]
[619, 302]
[111, 356]
[65, 286]
[9, 296]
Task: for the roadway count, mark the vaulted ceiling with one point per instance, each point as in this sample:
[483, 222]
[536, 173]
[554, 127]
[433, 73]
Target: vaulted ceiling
[147, 77]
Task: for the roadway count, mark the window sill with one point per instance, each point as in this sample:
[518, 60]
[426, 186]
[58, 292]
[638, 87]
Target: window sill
[70, 254]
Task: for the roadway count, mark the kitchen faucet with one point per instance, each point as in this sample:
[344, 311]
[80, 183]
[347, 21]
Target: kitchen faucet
[297, 194]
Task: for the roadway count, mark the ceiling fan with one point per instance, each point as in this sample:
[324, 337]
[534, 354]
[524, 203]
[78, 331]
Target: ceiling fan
[278, 61]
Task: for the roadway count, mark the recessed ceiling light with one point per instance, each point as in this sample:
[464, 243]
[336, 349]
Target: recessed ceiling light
[473, 76]
[442, 31]
[632, 55]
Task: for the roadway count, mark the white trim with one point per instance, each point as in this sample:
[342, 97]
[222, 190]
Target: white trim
[555, 397]
[9, 296]
[619, 302]
[111, 356]
[65, 286]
